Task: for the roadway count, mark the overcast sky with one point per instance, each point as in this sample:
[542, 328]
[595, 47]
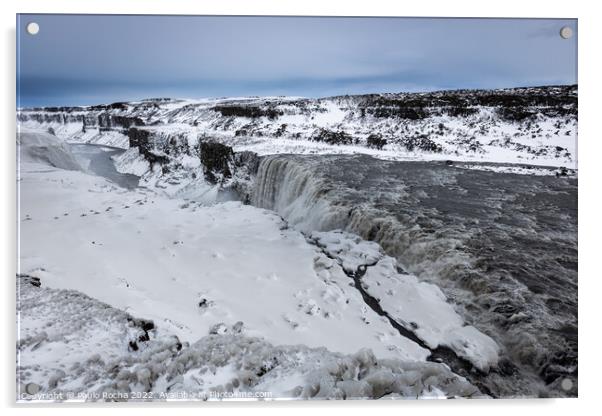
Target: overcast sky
[88, 59]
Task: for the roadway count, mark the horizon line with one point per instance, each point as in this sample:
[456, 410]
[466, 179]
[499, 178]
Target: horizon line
[426, 91]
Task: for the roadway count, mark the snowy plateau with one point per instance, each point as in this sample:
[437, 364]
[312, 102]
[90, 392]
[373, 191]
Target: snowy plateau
[379, 246]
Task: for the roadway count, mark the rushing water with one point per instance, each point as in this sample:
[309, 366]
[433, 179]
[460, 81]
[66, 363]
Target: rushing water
[502, 246]
[98, 160]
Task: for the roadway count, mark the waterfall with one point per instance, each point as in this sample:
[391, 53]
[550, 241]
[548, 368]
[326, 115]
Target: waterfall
[459, 229]
[295, 187]
[286, 186]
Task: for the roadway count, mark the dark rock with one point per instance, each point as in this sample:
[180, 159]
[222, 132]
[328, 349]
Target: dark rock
[148, 325]
[376, 141]
[247, 111]
[107, 122]
[332, 137]
[28, 279]
[420, 142]
[563, 171]
[141, 139]
[145, 327]
[247, 160]
[216, 158]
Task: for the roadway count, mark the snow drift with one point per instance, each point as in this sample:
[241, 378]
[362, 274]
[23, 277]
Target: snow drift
[37, 146]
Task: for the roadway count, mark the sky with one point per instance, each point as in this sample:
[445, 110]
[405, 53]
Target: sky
[93, 59]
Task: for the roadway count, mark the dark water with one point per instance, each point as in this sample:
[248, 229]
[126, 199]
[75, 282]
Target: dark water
[98, 159]
[503, 247]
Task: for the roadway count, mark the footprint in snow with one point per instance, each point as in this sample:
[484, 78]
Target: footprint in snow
[123, 281]
[293, 324]
[204, 304]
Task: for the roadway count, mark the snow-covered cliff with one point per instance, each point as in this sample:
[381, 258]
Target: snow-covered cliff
[523, 125]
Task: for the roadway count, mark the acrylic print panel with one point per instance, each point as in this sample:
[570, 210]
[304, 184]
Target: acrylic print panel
[216, 207]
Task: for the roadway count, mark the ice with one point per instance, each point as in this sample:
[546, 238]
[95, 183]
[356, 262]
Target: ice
[349, 249]
[419, 307]
[88, 356]
[131, 161]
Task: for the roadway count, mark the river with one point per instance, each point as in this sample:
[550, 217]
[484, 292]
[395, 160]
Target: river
[98, 160]
[502, 246]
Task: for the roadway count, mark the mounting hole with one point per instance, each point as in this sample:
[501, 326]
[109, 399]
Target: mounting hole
[566, 384]
[32, 388]
[566, 32]
[33, 28]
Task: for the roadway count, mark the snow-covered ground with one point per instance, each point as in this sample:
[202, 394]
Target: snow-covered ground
[408, 301]
[536, 126]
[75, 348]
[189, 267]
[195, 269]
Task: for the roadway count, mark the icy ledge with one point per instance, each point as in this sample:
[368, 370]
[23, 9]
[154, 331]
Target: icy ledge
[77, 348]
[419, 307]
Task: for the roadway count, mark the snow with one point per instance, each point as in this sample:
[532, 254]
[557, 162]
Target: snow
[105, 254]
[75, 348]
[484, 137]
[240, 302]
[519, 170]
[131, 161]
[72, 132]
[418, 306]
[43, 147]
[329, 114]
[159, 258]
[266, 146]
